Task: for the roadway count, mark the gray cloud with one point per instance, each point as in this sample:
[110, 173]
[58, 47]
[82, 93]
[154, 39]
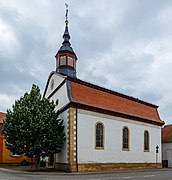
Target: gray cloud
[121, 45]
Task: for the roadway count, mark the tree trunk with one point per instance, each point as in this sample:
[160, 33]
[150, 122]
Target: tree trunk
[32, 163]
[37, 162]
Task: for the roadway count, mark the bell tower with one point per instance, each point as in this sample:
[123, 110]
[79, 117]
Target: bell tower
[66, 57]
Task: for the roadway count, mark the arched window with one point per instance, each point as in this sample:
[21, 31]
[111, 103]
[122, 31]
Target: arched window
[146, 140]
[125, 143]
[99, 133]
[52, 84]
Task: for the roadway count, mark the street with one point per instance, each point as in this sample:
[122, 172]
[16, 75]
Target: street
[136, 175]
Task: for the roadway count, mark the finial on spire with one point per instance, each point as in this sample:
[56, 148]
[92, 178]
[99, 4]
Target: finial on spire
[66, 14]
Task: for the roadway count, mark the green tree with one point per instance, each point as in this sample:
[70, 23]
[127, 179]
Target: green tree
[33, 127]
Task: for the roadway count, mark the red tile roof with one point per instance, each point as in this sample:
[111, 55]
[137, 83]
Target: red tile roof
[98, 97]
[2, 116]
[167, 133]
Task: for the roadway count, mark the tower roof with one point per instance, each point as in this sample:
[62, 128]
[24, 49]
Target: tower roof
[66, 45]
[66, 57]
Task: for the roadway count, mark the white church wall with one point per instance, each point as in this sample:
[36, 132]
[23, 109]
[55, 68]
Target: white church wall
[60, 97]
[62, 157]
[112, 152]
[57, 81]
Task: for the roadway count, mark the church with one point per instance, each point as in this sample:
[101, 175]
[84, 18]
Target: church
[105, 130]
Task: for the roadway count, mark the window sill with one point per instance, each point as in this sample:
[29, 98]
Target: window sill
[99, 148]
[125, 149]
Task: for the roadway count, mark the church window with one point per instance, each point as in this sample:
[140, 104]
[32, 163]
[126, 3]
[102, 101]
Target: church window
[62, 60]
[125, 143]
[52, 84]
[70, 61]
[99, 128]
[57, 102]
[146, 140]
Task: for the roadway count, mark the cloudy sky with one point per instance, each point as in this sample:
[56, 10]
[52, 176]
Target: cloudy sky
[123, 45]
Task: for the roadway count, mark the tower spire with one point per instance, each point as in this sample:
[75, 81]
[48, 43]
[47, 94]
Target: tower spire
[65, 57]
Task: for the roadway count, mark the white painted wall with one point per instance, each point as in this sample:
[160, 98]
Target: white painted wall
[167, 151]
[62, 157]
[112, 152]
[60, 95]
[58, 79]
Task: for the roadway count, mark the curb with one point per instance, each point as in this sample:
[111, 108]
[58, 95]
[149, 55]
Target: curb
[29, 172]
[80, 173]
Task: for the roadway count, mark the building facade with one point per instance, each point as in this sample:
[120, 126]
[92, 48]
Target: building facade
[105, 130]
[167, 145]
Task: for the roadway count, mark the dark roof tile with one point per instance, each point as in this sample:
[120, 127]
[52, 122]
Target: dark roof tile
[167, 134]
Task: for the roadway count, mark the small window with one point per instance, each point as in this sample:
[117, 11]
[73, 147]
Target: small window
[146, 140]
[52, 84]
[70, 61]
[62, 60]
[125, 143]
[14, 155]
[57, 102]
[99, 128]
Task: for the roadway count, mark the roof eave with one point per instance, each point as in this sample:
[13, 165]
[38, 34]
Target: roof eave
[108, 112]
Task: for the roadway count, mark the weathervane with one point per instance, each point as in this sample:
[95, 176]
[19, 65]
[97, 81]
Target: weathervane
[66, 14]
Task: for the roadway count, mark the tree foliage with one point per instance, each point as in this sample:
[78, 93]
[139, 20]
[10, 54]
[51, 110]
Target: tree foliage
[33, 127]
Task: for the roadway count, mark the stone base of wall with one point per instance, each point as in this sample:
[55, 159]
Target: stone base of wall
[107, 166]
[65, 167]
[116, 166]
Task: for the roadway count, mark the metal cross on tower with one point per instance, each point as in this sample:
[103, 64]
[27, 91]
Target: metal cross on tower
[66, 12]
